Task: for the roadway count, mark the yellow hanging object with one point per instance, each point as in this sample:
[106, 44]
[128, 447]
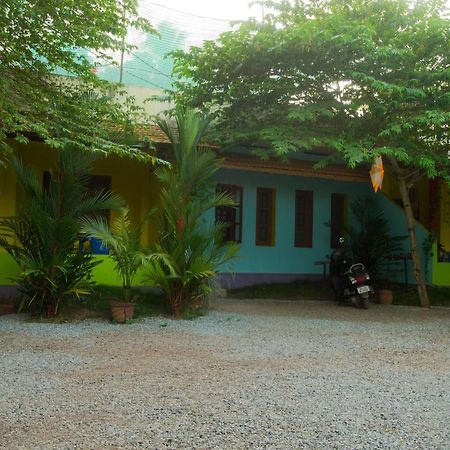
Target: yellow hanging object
[377, 173]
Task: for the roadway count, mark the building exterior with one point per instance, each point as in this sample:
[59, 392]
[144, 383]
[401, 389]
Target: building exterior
[288, 219]
[308, 210]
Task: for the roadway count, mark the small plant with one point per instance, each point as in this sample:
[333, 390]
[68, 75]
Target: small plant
[132, 321]
[192, 314]
[124, 243]
[369, 237]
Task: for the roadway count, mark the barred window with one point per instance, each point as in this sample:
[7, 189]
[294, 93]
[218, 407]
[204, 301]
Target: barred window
[231, 215]
[303, 219]
[265, 216]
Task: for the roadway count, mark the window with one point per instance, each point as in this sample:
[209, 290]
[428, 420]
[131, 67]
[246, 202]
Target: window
[338, 216]
[231, 215]
[265, 215]
[96, 183]
[303, 218]
[100, 183]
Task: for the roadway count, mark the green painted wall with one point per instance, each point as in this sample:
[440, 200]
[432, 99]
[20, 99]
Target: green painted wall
[8, 269]
[441, 270]
[445, 216]
[104, 273]
[131, 179]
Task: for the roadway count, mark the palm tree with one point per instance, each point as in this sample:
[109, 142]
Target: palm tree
[189, 252]
[369, 238]
[42, 237]
[124, 243]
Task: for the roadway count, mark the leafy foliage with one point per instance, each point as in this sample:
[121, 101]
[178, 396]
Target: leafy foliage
[42, 237]
[369, 237]
[124, 243]
[359, 79]
[189, 252]
[39, 39]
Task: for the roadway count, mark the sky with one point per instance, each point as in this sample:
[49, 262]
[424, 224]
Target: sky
[199, 19]
[181, 24]
[221, 9]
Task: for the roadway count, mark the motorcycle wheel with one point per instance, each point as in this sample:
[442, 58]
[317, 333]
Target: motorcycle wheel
[363, 303]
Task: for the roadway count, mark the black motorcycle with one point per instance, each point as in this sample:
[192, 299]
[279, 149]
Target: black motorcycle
[350, 282]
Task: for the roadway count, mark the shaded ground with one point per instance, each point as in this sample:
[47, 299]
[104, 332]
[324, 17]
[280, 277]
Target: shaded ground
[252, 374]
[321, 290]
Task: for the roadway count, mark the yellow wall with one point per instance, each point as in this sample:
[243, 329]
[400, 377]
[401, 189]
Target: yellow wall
[445, 216]
[151, 201]
[7, 192]
[390, 188]
[133, 180]
[441, 270]
[8, 267]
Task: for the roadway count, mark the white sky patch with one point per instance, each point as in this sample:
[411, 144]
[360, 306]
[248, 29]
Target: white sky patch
[199, 19]
[217, 9]
[134, 37]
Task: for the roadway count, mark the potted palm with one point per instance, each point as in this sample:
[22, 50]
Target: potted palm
[371, 242]
[124, 243]
[188, 252]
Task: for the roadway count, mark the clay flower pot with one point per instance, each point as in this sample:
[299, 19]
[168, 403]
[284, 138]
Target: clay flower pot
[385, 296]
[121, 311]
[7, 308]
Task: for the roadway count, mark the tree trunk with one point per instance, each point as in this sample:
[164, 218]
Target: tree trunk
[421, 285]
[50, 308]
[176, 299]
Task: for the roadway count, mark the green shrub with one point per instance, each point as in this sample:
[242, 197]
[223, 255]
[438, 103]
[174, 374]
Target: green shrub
[124, 243]
[369, 238]
[42, 237]
[189, 252]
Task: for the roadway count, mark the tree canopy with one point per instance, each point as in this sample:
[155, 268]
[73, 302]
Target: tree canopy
[363, 77]
[360, 78]
[48, 86]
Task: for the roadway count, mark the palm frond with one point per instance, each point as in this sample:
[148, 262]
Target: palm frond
[41, 238]
[189, 253]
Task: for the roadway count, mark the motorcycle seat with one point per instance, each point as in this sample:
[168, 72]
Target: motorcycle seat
[356, 268]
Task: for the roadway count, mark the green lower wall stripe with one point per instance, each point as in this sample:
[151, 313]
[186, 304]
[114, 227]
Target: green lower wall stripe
[104, 273]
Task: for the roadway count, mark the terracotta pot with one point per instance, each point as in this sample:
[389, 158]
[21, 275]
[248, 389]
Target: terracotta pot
[8, 308]
[385, 296]
[122, 311]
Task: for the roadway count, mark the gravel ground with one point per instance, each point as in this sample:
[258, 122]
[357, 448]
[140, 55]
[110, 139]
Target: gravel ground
[251, 374]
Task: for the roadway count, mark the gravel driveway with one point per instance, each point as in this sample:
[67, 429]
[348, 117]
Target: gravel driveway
[251, 374]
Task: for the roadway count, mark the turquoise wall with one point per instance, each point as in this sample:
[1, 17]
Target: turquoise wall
[397, 222]
[441, 270]
[284, 258]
